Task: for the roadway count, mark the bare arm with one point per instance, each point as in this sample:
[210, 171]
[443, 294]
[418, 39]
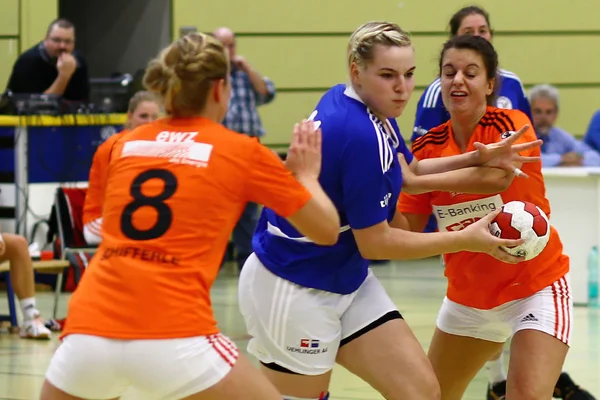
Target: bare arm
[318, 219]
[382, 242]
[258, 82]
[66, 66]
[475, 180]
[59, 85]
[444, 164]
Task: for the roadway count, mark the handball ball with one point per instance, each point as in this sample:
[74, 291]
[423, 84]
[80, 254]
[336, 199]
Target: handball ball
[520, 219]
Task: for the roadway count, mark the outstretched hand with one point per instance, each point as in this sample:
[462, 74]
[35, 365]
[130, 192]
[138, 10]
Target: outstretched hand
[505, 154]
[304, 155]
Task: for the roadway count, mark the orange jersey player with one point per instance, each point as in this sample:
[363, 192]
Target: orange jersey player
[473, 286]
[144, 107]
[142, 316]
[489, 301]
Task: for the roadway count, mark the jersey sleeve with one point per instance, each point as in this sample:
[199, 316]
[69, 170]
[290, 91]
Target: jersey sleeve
[364, 187]
[92, 206]
[430, 111]
[272, 185]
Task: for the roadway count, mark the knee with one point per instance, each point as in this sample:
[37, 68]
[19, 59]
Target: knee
[15, 244]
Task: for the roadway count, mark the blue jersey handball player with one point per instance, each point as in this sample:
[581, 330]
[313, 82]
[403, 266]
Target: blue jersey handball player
[308, 306]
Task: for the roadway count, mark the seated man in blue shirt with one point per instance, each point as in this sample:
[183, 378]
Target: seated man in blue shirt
[592, 136]
[560, 148]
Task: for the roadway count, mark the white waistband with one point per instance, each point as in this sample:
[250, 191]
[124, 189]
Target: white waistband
[273, 230]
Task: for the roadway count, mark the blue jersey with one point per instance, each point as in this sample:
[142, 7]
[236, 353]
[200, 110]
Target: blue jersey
[431, 111]
[361, 174]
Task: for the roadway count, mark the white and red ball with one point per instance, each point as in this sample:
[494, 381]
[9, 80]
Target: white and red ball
[521, 219]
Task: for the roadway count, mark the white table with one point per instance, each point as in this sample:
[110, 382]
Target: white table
[574, 195]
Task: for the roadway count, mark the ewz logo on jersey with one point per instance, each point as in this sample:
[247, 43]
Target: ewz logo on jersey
[308, 346]
[178, 147]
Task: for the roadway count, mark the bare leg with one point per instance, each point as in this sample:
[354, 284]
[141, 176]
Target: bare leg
[535, 364]
[392, 361]
[243, 382]
[23, 282]
[302, 386]
[444, 352]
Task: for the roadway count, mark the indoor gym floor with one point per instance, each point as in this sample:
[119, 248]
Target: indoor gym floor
[416, 287]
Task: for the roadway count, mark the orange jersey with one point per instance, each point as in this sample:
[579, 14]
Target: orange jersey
[476, 279]
[92, 207]
[175, 190]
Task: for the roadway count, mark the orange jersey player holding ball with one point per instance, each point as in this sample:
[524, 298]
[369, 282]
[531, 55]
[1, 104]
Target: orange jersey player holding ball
[143, 107]
[488, 301]
[142, 316]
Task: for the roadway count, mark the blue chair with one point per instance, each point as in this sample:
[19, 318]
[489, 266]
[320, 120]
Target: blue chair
[12, 307]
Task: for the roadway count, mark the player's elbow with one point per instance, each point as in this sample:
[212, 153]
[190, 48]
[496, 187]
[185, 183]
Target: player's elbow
[323, 231]
[327, 237]
[371, 242]
[320, 224]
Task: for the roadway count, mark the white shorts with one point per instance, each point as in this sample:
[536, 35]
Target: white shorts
[93, 367]
[92, 232]
[301, 329]
[550, 310]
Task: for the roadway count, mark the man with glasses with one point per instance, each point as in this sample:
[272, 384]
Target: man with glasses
[560, 148]
[52, 66]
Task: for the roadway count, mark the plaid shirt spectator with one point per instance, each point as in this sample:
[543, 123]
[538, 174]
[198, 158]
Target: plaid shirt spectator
[243, 115]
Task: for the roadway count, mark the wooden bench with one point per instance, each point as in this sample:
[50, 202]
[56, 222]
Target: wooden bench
[47, 266]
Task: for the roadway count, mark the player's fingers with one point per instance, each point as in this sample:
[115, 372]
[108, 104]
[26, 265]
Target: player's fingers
[295, 135]
[303, 133]
[499, 242]
[318, 140]
[527, 146]
[518, 173]
[510, 168]
[490, 217]
[529, 159]
[310, 134]
[515, 136]
[503, 256]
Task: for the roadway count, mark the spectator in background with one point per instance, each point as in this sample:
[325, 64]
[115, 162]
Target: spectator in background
[249, 90]
[52, 66]
[592, 136]
[560, 148]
